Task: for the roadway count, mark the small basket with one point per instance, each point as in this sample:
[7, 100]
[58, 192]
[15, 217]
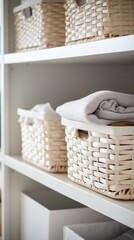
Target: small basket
[43, 141]
[39, 24]
[98, 20]
[101, 158]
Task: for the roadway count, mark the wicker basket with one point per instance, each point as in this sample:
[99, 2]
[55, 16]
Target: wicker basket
[98, 20]
[39, 24]
[43, 141]
[101, 158]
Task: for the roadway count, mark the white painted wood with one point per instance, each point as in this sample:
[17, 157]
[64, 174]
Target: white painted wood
[121, 211]
[119, 49]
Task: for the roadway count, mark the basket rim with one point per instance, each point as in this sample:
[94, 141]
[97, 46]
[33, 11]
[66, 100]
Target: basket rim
[99, 128]
[30, 3]
[37, 115]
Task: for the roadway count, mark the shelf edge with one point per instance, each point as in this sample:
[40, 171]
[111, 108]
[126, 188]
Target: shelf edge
[121, 211]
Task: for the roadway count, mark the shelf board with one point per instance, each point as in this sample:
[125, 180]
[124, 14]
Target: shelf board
[114, 50]
[121, 211]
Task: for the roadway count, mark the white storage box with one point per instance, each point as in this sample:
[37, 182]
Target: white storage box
[44, 213]
[101, 157]
[94, 231]
[43, 141]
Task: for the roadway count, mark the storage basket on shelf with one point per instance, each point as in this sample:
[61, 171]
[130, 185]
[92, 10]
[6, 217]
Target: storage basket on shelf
[39, 24]
[43, 141]
[101, 157]
[98, 19]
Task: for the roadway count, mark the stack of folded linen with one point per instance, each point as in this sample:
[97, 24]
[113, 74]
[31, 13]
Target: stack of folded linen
[101, 107]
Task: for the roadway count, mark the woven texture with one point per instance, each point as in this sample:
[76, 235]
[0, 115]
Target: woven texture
[43, 144]
[98, 20]
[101, 162]
[45, 27]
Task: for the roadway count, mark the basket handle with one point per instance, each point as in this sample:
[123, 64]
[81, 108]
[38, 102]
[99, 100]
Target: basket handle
[81, 2]
[81, 134]
[27, 12]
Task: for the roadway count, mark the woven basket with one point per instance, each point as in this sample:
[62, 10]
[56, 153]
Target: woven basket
[43, 141]
[98, 20]
[40, 25]
[101, 158]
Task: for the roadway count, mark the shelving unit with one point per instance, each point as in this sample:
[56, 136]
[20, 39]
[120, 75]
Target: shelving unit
[55, 75]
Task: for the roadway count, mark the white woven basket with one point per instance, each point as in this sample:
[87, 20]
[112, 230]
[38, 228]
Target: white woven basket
[43, 141]
[98, 19]
[101, 158]
[39, 24]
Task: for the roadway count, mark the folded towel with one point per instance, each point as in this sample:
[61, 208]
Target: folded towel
[102, 107]
[47, 111]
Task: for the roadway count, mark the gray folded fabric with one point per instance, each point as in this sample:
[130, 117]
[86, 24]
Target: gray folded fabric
[103, 107]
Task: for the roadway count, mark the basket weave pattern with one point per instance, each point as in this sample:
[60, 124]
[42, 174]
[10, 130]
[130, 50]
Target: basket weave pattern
[101, 162]
[44, 28]
[98, 20]
[43, 144]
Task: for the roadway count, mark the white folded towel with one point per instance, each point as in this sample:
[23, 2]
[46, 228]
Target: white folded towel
[46, 109]
[103, 107]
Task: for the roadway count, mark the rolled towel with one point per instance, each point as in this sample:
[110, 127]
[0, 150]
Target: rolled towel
[102, 107]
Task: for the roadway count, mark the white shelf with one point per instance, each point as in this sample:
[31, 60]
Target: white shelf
[122, 211]
[120, 49]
